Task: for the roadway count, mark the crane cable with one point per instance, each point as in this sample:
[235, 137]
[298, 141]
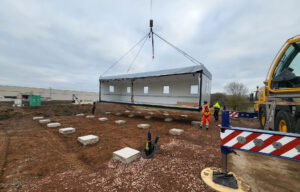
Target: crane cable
[137, 55]
[192, 59]
[116, 62]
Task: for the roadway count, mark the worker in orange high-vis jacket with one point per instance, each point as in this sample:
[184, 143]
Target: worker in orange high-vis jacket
[205, 115]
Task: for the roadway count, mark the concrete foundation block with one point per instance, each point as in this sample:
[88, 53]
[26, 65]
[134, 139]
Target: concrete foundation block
[103, 119]
[79, 115]
[148, 117]
[44, 121]
[107, 113]
[168, 119]
[175, 131]
[120, 122]
[38, 118]
[195, 122]
[50, 125]
[131, 115]
[126, 155]
[88, 139]
[90, 116]
[184, 116]
[143, 126]
[118, 114]
[67, 130]
[127, 111]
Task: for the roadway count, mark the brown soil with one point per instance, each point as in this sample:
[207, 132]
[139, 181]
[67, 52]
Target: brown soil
[36, 158]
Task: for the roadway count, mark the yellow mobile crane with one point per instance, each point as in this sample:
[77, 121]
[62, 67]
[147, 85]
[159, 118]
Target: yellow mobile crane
[278, 102]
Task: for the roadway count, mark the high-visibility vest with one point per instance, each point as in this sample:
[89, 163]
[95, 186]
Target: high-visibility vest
[206, 114]
[204, 106]
[217, 105]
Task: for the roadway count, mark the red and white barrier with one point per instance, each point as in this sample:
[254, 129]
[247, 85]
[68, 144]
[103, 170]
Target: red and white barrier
[233, 114]
[271, 143]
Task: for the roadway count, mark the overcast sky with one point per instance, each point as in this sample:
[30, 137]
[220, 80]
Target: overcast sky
[69, 44]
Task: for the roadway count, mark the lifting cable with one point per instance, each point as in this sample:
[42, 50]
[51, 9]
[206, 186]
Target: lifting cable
[151, 35]
[192, 59]
[137, 55]
[116, 62]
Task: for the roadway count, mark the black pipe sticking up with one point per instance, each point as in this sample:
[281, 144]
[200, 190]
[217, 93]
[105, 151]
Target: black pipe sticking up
[151, 147]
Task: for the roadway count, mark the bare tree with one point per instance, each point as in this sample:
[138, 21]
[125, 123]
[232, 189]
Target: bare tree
[235, 88]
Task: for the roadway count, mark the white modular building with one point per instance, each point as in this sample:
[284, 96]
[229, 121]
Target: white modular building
[185, 88]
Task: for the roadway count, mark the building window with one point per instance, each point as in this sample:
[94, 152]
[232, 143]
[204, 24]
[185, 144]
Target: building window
[166, 90]
[146, 90]
[111, 88]
[194, 89]
[128, 89]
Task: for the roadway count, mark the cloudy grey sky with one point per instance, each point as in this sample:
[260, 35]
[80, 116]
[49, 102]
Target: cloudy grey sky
[67, 44]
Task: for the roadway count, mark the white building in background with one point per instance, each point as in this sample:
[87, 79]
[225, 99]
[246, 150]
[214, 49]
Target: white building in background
[185, 87]
[8, 93]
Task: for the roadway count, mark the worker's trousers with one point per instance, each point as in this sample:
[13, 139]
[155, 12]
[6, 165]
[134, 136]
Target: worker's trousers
[205, 119]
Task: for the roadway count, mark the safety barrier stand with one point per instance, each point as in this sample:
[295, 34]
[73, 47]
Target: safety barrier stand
[243, 114]
[264, 142]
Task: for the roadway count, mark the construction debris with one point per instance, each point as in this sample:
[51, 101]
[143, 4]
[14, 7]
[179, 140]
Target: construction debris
[126, 155]
[79, 115]
[67, 130]
[148, 117]
[118, 114]
[107, 113]
[90, 116]
[88, 139]
[127, 111]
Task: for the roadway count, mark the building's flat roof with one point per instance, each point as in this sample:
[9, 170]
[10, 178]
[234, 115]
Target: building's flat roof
[177, 71]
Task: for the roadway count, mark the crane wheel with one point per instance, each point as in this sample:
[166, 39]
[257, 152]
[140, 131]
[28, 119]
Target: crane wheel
[262, 117]
[284, 122]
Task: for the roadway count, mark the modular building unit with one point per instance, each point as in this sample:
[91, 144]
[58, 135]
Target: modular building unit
[185, 88]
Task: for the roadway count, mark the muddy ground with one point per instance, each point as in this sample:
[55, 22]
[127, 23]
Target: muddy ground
[36, 158]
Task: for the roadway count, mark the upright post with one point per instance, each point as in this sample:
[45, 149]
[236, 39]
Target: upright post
[224, 151]
[132, 96]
